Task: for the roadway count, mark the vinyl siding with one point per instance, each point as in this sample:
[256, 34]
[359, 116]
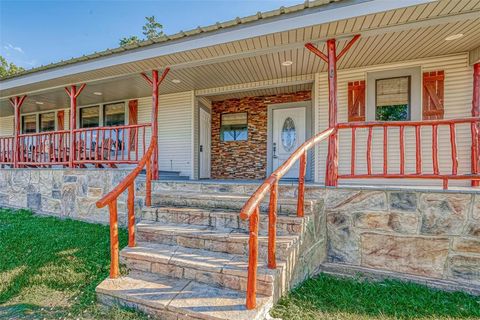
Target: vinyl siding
[458, 95]
[175, 130]
[6, 126]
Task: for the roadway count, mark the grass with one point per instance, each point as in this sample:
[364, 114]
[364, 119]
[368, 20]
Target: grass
[327, 297]
[49, 268]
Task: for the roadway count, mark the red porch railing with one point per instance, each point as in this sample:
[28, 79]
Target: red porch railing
[43, 149]
[6, 150]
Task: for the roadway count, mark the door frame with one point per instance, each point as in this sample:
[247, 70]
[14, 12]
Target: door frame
[206, 110]
[308, 131]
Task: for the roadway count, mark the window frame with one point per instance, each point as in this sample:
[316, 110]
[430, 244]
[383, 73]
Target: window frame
[409, 105]
[104, 116]
[246, 126]
[101, 107]
[39, 119]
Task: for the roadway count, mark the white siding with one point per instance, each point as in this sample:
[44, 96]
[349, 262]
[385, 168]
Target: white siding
[6, 126]
[175, 130]
[458, 95]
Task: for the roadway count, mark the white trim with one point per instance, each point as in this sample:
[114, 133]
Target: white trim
[192, 136]
[334, 12]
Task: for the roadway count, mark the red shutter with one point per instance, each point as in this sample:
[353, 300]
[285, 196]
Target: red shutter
[133, 119]
[356, 101]
[60, 120]
[433, 95]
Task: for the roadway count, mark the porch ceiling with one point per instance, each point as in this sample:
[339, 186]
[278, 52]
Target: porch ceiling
[396, 35]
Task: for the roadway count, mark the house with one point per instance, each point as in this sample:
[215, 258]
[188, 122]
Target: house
[374, 93]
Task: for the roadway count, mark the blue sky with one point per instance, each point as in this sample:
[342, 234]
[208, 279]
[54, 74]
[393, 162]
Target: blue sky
[34, 33]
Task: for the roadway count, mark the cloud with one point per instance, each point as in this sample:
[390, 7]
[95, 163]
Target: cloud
[9, 47]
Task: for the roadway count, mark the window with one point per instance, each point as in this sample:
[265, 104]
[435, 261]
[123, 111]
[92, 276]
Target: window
[114, 114]
[234, 127]
[47, 121]
[89, 117]
[29, 123]
[392, 97]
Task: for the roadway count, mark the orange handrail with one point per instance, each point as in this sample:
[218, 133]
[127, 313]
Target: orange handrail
[251, 210]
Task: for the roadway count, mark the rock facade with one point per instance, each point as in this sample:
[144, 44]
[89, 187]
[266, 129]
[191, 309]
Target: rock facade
[64, 192]
[245, 159]
[429, 234]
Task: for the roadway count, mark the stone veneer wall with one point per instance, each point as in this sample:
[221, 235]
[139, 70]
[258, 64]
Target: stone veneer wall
[433, 234]
[64, 192]
[245, 159]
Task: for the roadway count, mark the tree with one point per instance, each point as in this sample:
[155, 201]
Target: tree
[126, 41]
[152, 29]
[8, 69]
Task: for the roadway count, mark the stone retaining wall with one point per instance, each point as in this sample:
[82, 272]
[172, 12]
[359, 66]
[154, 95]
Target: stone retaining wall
[64, 192]
[433, 234]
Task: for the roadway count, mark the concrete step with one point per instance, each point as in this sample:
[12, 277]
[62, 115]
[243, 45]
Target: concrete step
[227, 201]
[218, 240]
[220, 219]
[169, 298]
[214, 268]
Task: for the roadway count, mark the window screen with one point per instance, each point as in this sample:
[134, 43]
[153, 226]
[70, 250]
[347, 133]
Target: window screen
[234, 127]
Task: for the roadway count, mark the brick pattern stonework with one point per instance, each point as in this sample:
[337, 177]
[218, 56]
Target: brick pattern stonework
[245, 159]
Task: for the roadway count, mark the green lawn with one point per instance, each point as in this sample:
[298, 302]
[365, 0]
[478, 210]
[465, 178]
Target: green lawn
[49, 268]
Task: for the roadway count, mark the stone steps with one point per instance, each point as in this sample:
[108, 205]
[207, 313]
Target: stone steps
[225, 240]
[214, 268]
[226, 201]
[219, 219]
[169, 298]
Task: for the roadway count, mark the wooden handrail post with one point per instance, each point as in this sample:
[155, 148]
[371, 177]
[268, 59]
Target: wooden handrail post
[301, 185]
[148, 183]
[272, 226]
[73, 94]
[131, 214]
[16, 104]
[114, 262]
[475, 127]
[332, 158]
[253, 261]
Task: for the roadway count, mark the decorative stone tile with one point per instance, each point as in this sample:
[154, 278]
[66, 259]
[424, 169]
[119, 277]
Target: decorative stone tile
[355, 200]
[95, 192]
[343, 242]
[372, 220]
[403, 201]
[68, 199]
[476, 207]
[444, 213]
[408, 254]
[473, 228]
[404, 222]
[34, 201]
[467, 245]
[465, 267]
[69, 179]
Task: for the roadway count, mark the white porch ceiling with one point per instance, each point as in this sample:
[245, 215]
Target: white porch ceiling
[397, 35]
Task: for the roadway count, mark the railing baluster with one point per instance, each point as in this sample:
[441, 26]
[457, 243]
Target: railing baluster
[272, 226]
[114, 266]
[252, 260]
[402, 149]
[453, 144]
[369, 150]
[131, 214]
[301, 185]
[148, 183]
[385, 150]
[418, 149]
[435, 148]
[352, 155]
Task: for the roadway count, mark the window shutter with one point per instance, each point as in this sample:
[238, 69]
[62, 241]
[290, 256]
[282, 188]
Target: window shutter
[133, 119]
[433, 95]
[60, 120]
[356, 101]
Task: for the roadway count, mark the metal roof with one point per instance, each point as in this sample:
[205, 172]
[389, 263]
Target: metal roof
[182, 34]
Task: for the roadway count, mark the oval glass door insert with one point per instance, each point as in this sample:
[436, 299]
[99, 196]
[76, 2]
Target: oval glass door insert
[289, 134]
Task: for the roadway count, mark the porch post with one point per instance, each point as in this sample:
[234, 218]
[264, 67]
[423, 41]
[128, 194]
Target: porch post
[332, 158]
[16, 104]
[475, 126]
[73, 94]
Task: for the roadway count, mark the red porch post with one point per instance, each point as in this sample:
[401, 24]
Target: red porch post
[16, 104]
[475, 126]
[331, 58]
[73, 94]
[155, 83]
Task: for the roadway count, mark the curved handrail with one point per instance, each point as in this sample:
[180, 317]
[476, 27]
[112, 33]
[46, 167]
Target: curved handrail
[255, 200]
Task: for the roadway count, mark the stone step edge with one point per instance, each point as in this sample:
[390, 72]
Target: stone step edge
[110, 298]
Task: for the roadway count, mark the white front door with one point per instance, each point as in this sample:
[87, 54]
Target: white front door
[204, 148]
[289, 128]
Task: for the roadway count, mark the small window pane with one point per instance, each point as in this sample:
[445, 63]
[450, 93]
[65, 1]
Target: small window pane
[234, 127]
[47, 121]
[89, 117]
[29, 124]
[114, 114]
[392, 99]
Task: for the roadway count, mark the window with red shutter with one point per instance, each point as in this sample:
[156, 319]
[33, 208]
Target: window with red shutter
[356, 101]
[433, 95]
